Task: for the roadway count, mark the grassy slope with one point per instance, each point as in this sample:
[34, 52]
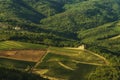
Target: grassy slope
[100, 37]
[103, 32]
[72, 59]
[10, 45]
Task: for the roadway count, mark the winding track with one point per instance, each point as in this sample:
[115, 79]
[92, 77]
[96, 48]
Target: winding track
[40, 60]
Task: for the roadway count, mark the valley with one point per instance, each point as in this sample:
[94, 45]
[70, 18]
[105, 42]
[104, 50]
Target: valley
[60, 39]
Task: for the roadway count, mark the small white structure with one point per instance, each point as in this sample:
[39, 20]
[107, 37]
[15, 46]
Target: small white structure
[17, 28]
[82, 47]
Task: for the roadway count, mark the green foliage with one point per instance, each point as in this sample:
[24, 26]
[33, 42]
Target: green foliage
[45, 7]
[15, 64]
[82, 72]
[56, 38]
[12, 74]
[83, 15]
[60, 20]
[105, 73]
[103, 39]
[94, 23]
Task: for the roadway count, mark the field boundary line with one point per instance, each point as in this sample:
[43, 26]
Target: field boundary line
[16, 59]
[40, 60]
[88, 63]
[65, 66]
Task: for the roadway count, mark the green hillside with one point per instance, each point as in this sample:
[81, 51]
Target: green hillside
[14, 45]
[105, 37]
[59, 21]
[103, 32]
[104, 40]
[37, 24]
[15, 11]
[63, 15]
[84, 15]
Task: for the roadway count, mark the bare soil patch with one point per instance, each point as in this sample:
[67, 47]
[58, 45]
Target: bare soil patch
[26, 55]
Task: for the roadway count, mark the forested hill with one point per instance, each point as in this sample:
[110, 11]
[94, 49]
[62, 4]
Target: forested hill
[84, 15]
[56, 22]
[67, 15]
[64, 23]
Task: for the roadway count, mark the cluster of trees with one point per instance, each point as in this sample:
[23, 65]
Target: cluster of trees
[60, 29]
[112, 71]
[60, 15]
[105, 73]
[12, 74]
[40, 38]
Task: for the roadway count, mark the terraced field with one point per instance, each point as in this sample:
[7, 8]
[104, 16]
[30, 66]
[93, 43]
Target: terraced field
[64, 64]
[78, 55]
[20, 55]
[54, 63]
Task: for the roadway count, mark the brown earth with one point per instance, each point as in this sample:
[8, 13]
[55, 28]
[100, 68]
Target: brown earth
[26, 55]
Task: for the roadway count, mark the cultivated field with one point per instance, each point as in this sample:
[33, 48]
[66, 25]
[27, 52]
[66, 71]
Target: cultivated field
[25, 55]
[54, 63]
[68, 63]
[19, 54]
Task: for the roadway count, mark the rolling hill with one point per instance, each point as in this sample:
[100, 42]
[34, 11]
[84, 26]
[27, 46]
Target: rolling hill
[84, 15]
[40, 24]
[62, 19]
[106, 37]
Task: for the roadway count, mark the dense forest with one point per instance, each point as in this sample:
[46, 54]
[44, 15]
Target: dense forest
[62, 23]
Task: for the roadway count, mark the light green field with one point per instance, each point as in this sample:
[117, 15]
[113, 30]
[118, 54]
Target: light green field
[14, 45]
[77, 55]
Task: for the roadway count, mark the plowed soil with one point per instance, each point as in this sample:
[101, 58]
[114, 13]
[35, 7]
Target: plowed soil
[26, 55]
